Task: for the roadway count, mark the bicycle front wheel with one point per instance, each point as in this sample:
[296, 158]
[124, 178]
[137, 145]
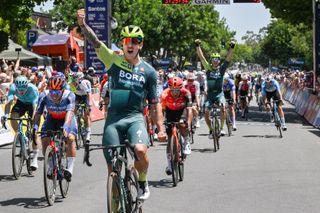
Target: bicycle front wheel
[50, 175]
[17, 156]
[132, 189]
[113, 194]
[216, 133]
[174, 161]
[63, 183]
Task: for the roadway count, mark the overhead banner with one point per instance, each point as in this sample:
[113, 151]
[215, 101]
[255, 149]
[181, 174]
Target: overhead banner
[97, 18]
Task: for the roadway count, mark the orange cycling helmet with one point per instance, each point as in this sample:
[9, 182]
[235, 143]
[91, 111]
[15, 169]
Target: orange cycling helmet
[56, 83]
[175, 83]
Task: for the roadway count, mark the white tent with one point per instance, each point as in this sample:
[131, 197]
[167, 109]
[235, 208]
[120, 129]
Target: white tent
[26, 57]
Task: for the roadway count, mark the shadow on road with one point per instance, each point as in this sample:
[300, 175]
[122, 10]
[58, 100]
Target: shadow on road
[163, 183]
[316, 132]
[6, 178]
[29, 203]
[204, 150]
[261, 136]
[95, 134]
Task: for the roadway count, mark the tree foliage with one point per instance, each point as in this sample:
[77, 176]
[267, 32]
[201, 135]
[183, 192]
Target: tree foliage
[64, 13]
[173, 27]
[292, 11]
[17, 13]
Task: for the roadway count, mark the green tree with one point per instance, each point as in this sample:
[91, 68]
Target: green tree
[17, 14]
[292, 11]
[173, 27]
[64, 13]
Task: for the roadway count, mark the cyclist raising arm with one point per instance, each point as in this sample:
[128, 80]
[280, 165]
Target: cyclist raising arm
[215, 74]
[132, 80]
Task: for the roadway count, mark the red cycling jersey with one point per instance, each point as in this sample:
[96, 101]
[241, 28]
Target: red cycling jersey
[178, 103]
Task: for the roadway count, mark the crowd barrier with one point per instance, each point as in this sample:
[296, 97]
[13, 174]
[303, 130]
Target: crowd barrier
[306, 104]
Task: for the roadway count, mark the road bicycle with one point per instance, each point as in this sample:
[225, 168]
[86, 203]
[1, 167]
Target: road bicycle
[122, 186]
[276, 116]
[244, 102]
[55, 163]
[177, 157]
[81, 137]
[215, 125]
[229, 122]
[22, 152]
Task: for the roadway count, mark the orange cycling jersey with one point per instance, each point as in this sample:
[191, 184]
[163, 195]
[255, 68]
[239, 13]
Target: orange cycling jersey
[178, 103]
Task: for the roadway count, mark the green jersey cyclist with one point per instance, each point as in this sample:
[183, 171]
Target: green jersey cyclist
[215, 72]
[132, 80]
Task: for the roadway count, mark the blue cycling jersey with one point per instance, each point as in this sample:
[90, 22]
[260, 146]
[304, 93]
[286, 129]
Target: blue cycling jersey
[30, 97]
[274, 86]
[57, 111]
[227, 87]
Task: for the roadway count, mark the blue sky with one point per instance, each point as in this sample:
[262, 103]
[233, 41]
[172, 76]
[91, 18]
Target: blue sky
[240, 17]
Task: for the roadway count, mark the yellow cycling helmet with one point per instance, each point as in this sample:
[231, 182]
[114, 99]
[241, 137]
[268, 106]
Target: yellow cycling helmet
[131, 31]
[215, 55]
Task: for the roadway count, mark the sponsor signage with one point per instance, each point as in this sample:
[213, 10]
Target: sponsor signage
[97, 18]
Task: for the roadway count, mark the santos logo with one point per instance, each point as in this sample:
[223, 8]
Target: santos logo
[131, 76]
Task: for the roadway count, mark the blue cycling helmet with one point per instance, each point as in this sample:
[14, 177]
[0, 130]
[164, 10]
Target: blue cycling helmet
[21, 82]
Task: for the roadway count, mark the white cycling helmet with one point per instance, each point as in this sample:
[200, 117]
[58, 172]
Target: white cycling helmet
[191, 76]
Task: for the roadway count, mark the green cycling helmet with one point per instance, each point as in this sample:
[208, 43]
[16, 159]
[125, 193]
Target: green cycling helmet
[215, 55]
[131, 31]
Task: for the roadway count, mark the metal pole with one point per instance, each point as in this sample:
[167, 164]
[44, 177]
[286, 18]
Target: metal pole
[314, 46]
[109, 5]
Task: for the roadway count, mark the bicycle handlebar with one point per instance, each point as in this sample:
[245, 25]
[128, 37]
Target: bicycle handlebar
[87, 150]
[4, 125]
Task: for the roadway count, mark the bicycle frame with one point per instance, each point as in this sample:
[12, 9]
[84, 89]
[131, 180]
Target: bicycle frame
[24, 153]
[119, 157]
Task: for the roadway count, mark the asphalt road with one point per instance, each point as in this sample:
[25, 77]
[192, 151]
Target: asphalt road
[254, 171]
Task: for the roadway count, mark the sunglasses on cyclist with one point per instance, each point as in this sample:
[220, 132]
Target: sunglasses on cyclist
[190, 80]
[175, 91]
[215, 59]
[131, 40]
[55, 92]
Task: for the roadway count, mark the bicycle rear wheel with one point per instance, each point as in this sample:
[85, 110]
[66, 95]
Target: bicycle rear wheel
[50, 175]
[113, 194]
[80, 136]
[181, 163]
[174, 162]
[17, 156]
[229, 123]
[151, 139]
[132, 186]
[63, 183]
